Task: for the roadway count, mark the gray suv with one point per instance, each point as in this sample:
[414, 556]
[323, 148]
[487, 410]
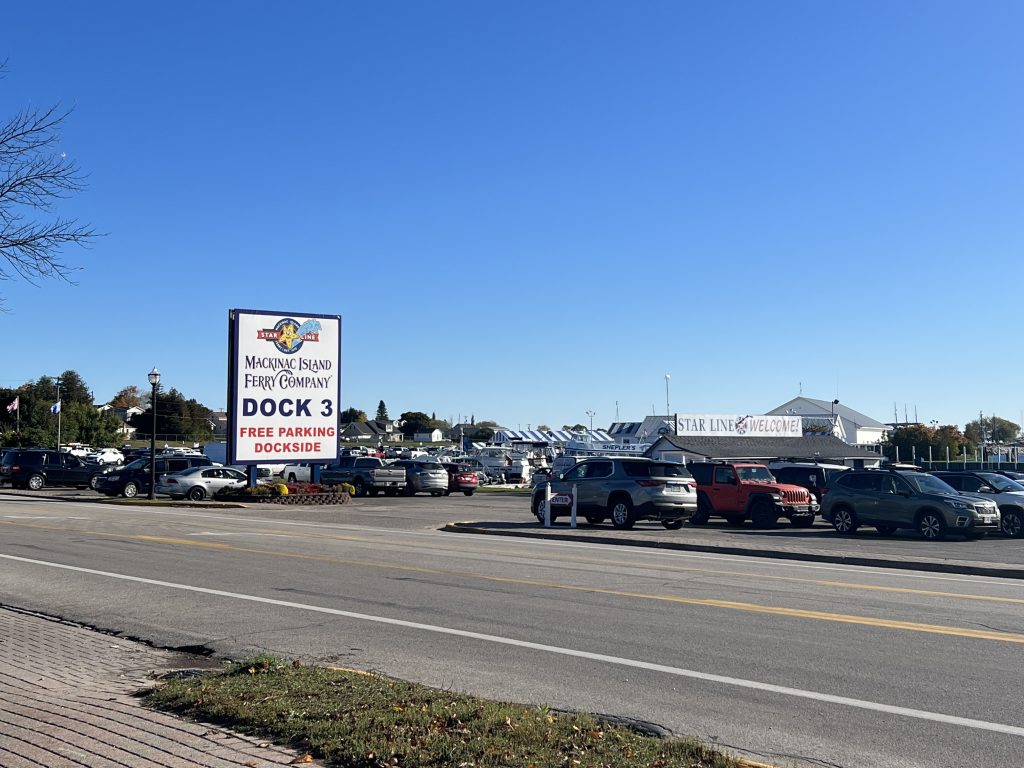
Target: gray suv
[894, 499]
[624, 490]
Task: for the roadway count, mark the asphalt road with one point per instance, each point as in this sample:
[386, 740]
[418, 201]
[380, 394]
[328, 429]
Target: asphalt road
[793, 663]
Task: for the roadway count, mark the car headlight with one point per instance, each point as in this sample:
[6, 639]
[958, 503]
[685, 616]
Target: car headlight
[958, 504]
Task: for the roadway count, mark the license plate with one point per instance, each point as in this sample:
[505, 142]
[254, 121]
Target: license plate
[674, 488]
[988, 518]
[561, 500]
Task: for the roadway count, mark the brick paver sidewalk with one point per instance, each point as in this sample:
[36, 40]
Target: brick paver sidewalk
[66, 702]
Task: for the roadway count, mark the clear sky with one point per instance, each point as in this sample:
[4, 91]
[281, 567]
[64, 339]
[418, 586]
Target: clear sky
[527, 210]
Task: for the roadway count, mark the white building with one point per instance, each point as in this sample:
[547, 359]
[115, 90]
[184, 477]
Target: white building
[827, 417]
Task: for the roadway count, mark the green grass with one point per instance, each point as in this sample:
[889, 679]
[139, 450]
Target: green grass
[358, 720]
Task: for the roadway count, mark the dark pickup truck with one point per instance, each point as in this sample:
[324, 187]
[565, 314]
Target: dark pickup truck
[367, 474]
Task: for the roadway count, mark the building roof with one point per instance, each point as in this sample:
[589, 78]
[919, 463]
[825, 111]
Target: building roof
[762, 448]
[825, 407]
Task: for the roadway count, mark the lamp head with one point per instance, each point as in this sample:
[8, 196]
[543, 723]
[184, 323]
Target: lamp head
[154, 376]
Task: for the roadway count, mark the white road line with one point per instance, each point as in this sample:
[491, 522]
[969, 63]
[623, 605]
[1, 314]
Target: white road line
[619, 661]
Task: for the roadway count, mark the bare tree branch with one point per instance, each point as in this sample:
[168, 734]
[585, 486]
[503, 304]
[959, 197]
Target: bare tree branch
[33, 177]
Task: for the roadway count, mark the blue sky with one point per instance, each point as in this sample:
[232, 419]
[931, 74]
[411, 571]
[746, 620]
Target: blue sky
[527, 210]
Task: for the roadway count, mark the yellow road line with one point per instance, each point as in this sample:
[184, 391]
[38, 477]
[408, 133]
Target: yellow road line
[1006, 637]
[662, 567]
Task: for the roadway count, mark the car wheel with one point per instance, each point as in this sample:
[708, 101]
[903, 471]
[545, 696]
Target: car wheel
[845, 521]
[763, 515]
[130, 490]
[1012, 523]
[931, 526]
[886, 530]
[673, 525]
[467, 493]
[197, 493]
[594, 519]
[703, 513]
[94, 481]
[35, 482]
[620, 510]
[538, 510]
[359, 485]
[735, 519]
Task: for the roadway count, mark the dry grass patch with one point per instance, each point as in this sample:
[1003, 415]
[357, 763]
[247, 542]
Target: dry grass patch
[365, 721]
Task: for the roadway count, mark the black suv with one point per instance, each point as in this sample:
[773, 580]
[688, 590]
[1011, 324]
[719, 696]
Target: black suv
[133, 479]
[813, 477]
[35, 468]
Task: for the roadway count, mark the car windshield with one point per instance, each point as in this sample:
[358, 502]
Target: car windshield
[1003, 484]
[138, 464]
[930, 484]
[755, 474]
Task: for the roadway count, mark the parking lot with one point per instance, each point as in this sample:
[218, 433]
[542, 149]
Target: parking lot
[508, 514]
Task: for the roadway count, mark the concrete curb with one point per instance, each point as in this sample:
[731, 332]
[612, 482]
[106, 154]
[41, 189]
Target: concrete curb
[805, 555]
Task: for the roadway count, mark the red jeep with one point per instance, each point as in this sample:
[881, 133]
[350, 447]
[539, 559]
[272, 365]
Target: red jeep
[740, 491]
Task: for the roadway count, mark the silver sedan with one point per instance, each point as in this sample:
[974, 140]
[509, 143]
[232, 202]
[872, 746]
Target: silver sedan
[198, 483]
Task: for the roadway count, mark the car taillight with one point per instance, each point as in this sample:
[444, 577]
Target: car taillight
[651, 483]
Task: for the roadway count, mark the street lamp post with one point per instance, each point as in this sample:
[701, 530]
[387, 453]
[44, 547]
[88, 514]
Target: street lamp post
[668, 411]
[834, 404]
[591, 414]
[154, 379]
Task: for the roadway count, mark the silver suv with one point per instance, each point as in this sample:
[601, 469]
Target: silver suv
[1007, 493]
[624, 490]
[894, 499]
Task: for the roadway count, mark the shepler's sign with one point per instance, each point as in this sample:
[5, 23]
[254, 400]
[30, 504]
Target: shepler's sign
[284, 386]
[718, 425]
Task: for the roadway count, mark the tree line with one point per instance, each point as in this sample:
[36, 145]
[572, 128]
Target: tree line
[27, 415]
[918, 441]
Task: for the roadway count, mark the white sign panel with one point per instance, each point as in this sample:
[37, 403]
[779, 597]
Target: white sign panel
[718, 425]
[285, 387]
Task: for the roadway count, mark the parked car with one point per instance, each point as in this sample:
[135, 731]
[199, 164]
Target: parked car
[1006, 493]
[460, 478]
[106, 456]
[740, 490]
[483, 474]
[428, 476]
[133, 478]
[1018, 476]
[890, 499]
[35, 468]
[812, 476]
[197, 483]
[624, 489]
[300, 473]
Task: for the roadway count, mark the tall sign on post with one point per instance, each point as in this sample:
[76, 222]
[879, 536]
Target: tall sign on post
[284, 387]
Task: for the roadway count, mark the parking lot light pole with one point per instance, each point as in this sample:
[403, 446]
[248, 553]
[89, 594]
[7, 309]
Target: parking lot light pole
[154, 379]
